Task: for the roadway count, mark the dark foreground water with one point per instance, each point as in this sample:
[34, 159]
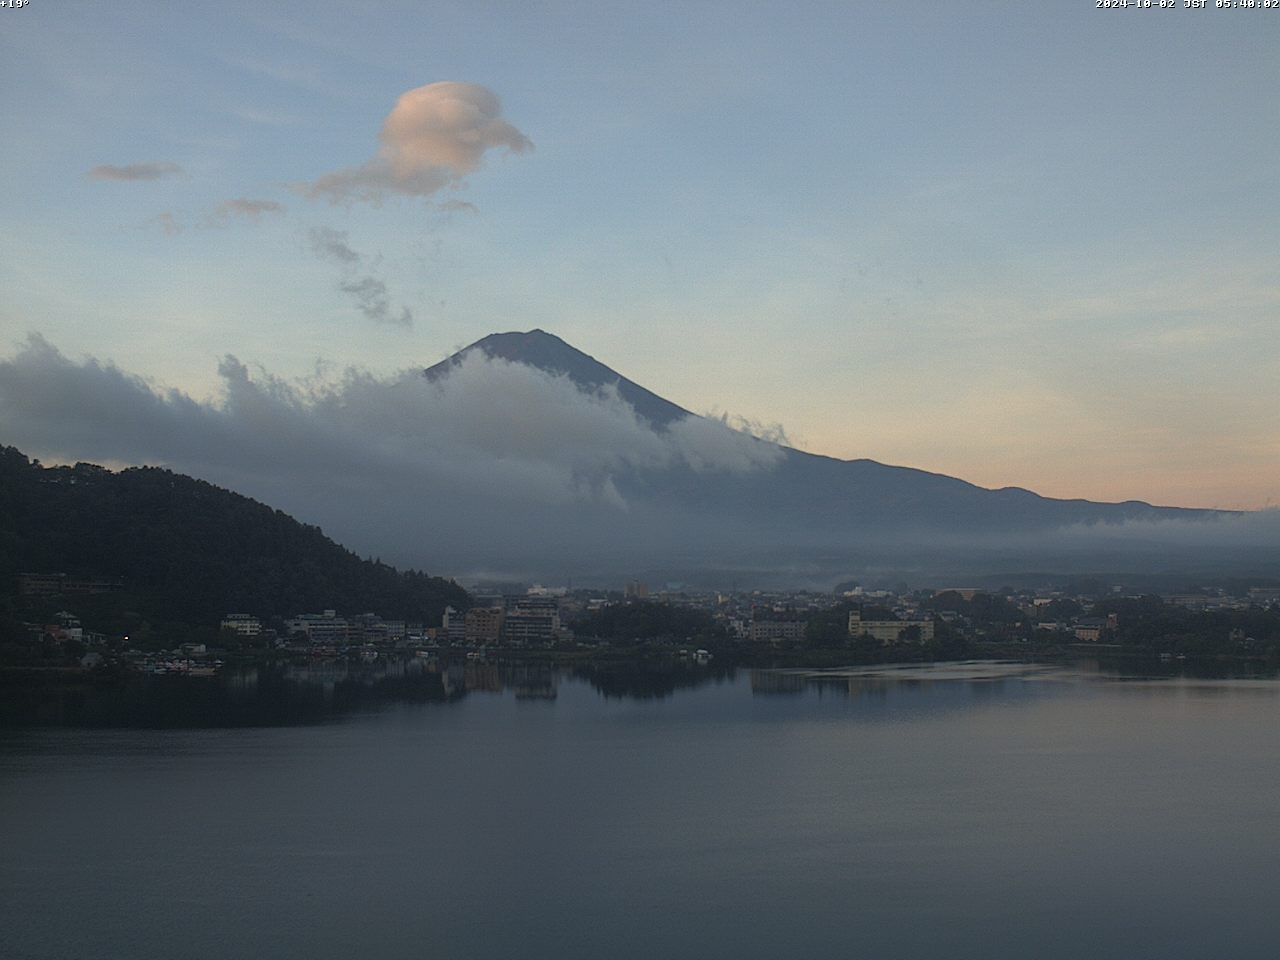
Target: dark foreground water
[981, 811]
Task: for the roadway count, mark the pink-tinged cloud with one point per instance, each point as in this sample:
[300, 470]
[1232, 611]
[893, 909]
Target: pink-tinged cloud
[247, 209]
[167, 222]
[135, 171]
[433, 137]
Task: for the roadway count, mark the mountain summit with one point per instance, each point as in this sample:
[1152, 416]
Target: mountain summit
[549, 353]
[795, 506]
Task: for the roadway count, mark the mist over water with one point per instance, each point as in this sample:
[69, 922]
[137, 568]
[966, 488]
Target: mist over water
[966, 811]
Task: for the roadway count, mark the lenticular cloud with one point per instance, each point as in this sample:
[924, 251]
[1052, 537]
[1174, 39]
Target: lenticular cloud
[433, 137]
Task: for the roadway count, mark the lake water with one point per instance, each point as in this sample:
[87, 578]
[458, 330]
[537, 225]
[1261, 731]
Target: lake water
[978, 810]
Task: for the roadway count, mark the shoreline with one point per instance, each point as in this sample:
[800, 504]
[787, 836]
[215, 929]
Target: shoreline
[665, 658]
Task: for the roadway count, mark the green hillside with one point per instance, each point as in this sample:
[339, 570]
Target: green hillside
[186, 553]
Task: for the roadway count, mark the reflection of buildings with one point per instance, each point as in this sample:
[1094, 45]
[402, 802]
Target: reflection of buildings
[482, 678]
[526, 682]
[532, 682]
[545, 690]
[875, 686]
[773, 681]
[887, 631]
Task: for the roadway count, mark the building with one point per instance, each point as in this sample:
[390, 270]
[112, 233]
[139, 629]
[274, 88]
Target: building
[66, 627]
[1090, 629]
[367, 628]
[484, 624]
[321, 628]
[242, 624]
[887, 631]
[40, 584]
[776, 631]
[533, 620]
[454, 626]
[51, 584]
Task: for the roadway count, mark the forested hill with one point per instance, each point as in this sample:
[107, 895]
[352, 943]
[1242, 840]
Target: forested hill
[189, 552]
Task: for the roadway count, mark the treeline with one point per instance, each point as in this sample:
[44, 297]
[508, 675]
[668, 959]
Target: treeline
[1150, 623]
[648, 620]
[185, 551]
[828, 630]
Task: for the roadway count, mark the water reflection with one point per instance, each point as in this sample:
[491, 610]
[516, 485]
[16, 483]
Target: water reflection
[257, 696]
[650, 681]
[988, 675]
[321, 691]
[971, 811]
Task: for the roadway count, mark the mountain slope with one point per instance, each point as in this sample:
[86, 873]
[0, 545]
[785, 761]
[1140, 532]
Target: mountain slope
[188, 551]
[856, 496]
[549, 353]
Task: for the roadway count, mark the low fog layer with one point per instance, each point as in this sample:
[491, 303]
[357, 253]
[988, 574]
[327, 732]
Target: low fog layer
[504, 469]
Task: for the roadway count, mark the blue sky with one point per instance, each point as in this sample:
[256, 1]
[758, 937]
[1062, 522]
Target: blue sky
[1025, 245]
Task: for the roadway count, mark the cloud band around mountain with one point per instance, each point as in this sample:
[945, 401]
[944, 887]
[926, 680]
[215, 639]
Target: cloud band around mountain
[498, 462]
[493, 428]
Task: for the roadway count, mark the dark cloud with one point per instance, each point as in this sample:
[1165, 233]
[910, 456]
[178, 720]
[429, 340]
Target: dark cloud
[245, 209]
[331, 244]
[369, 294]
[365, 289]
[135, 171]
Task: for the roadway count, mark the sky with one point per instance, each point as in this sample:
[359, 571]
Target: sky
[1024, 245]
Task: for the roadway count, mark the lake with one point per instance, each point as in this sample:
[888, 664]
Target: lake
[978, 810]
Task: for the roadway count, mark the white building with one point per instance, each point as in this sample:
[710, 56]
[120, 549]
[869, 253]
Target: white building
[243, 624]
[887, 631]
[776, 631]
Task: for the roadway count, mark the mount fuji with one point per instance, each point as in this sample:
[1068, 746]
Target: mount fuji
[798, 511]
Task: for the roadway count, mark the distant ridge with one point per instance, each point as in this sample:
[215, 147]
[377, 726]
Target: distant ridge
[547, 352]
[828, 499]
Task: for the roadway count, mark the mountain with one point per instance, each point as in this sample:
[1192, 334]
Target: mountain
[549, 353]
[805, 515]
[862, 492]
[186, 552]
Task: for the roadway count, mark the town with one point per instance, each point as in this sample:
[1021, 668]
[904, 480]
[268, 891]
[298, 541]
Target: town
[851, 624]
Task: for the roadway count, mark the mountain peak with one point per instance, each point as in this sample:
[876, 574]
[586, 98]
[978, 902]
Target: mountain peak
[547, 352]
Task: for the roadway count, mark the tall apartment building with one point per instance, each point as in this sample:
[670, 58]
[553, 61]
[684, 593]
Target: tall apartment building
[532, 620]
[484, 624]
